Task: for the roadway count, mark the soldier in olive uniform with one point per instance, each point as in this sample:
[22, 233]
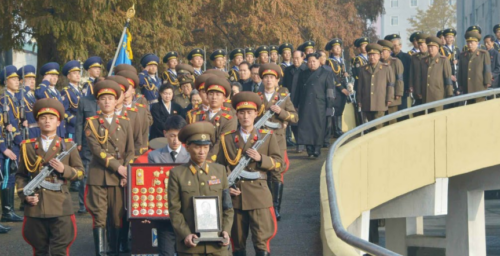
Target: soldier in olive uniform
[285, 115]
[111, 142]
[198, 177]
[199, 84]
[252, 200]
[405, 59]
[249, 56]
[474, 66]
[417, 64]
[196, 59]
[49, 222]
[397, 69]
[186, 84]
[376, 85]
[477, 29]
[236, 57]
[307, 47]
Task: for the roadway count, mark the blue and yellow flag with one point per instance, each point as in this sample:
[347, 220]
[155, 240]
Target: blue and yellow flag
[125, 56]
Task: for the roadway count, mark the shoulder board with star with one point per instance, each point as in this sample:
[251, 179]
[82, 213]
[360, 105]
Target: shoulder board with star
[201, 112]
[227, 116]
[265, 131]
[443, 57]
[28, 141]
[233, 131]
[140, 105]
[228, 101]
[132, 109]
[482, 50]
[98, 112]
[283, 91]
[224, 108]
[122, 117]
[194, 109]
[385, 64]
[93, 117]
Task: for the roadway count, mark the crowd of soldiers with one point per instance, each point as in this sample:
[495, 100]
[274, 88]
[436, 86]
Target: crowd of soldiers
[212, 112]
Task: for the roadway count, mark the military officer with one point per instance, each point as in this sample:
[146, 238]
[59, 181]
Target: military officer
[170, 75]
[417, 64]
[218, 59]
[397, 69]
[50, 224]
[199, 84]
[71, 95]
[252, 200]
[405, 59]
[285, 115]
[496, 30]
[93, 65]
[414, 41]
[273, 54]
[28, 76]
[475, 66]
[249, 56]
[236, 57]
[47, 89]
[198, 177]
[453, 53]
[360, 60]
[285, 50]
[149, 82]
[477, 29]
[196, 59]
[133, 80]
[262, 54]
[376, 85]
[111, 142]
[186, 84]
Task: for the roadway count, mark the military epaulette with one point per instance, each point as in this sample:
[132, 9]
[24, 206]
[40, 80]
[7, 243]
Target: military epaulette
[259, 93]
[68, 140]
[65, 88]
[482, 50]
[229, 132]
[140, 105]
[201, 112]
[28, 141]
[133, 109]
[98, 112]
[444, 57]
[92, 117]
[225, 108]
[122, 117]
[384, 64]
[283, 94]
[227, 116]
[265, 131]
[194, 109]
[228, 101]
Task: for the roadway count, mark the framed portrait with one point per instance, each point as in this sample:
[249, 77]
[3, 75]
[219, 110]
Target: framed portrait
[206, 214]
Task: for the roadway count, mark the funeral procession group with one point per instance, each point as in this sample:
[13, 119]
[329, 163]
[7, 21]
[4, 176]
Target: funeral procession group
[222, 132]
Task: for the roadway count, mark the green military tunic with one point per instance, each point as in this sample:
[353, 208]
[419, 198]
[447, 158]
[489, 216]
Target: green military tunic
[474, 71]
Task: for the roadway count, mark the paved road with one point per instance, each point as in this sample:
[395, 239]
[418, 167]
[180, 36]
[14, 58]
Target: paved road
[298, 231]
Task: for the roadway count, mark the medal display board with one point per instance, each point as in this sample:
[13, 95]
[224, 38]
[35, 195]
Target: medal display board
[147, 191]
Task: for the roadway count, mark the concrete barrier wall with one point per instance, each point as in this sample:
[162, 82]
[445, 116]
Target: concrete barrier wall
[400, 158]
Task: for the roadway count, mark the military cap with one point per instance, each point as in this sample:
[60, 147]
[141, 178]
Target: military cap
[185, 80]
[496, 28]
[391, 37]
[92, 62]
[107, 87]
[335, 41]
[51, 68]
[413, 36]
[219, 84]
[70, 66]
[261, 49]
[249, 51]
[217, 72]
[374, 48]
[285, 47]
[269, 69]
[149, 59]
[386, 45]
[122, 67]
[121, 81]
[308, 44]
[360, 41]
[199, 82]
[421, 38]
[472, 36]
[28, 70]
[474, 28]
[196, 52]
[433, 40]
[108, 65]
[200, 133]
[220, 53]
[439, 33]
[48, 106]
[449, 31]
[184, 69]
[8, 72]
[170, 56]
[273, 48]
[246, 100]
[131, 77]
[236, 52]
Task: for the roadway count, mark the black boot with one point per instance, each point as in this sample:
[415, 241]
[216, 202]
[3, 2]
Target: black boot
[277, 187]
[310, 150]
[114, 242]
[99, 241]
[8, 214]
[262, 253]
[338, 126]
[240, 253]
[21, 206]
[4, 229]
[281, 197]
[124, 247]
[317, 151]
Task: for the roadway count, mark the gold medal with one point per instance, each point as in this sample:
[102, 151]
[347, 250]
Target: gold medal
[151, 197]
[159, 190]
[135, 190]
[144, 190]
[144, 198]
[135, 205]
[151, 190]
[159, 205]
[151, 205]
[144, 204]
[166, 205]
[156, 174]
[158, 198]
[135, 198]
[165, 197]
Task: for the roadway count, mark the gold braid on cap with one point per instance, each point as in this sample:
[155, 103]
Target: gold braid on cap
[29, 166]
[226, 154]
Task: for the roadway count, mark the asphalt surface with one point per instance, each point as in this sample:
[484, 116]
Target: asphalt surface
[298, 230]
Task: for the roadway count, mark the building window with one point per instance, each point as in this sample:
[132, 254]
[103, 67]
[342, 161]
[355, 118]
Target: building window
[394, 3]
[413, 3]
[465, 22]
[394, 21]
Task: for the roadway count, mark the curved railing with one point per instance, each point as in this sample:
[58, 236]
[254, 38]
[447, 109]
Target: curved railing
[338, 227]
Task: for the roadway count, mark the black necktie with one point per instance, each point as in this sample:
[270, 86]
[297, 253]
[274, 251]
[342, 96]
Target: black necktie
[173, 154]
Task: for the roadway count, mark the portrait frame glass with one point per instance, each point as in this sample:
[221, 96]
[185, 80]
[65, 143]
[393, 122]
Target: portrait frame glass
[206, 214]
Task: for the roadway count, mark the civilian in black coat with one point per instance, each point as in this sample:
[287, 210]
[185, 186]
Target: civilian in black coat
[161, 110]
[489, 41]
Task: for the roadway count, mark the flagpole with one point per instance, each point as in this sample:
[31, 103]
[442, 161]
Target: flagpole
[130, 15]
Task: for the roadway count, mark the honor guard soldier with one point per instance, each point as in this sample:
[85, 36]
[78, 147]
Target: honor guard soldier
[273, 54]
[199, 84]
[93, 65]
[405, 59]
[440, 35]
[218, 59]
[479, 31]
[475, 67]
[71, 95]
[9, 144]
[284, 115]
[360, 60]
[236, 57]
[285, 50]
[262, 54]
[453, 53]
[110, 139]
[413, 40]
[337, 64]
[198, 177]
[376, 85]
[28, 76]
[196, 59]
[417, 64]
[496, 30]
[398, 70]
[149, 82]
[170, 75]
[252, 199]
[49, 224]
[308, 47]
[249, 55]
[47, 89]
